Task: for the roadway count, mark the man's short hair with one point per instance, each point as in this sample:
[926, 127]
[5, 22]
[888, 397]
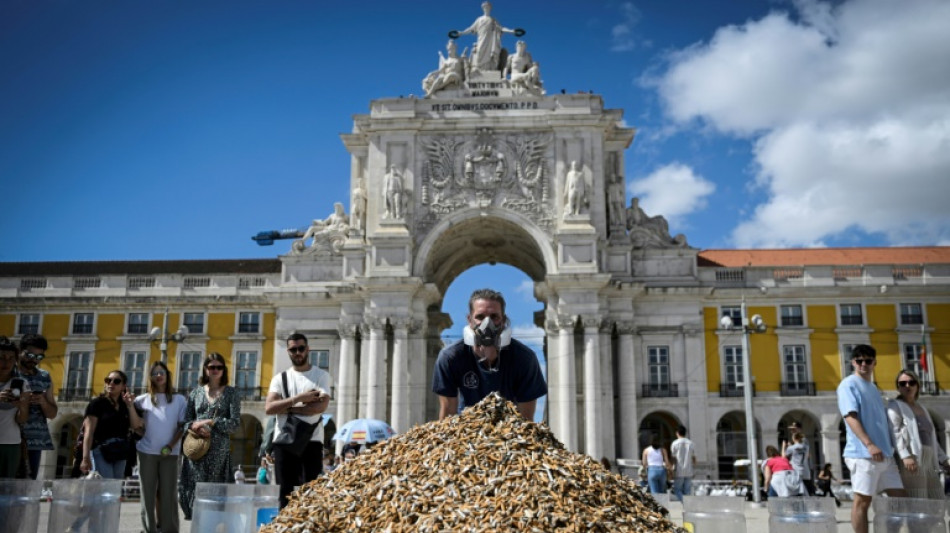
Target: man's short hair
[863, 350]
[33, 340]
[6, 345]
[681, 430]
[486, 294]
[297, 337]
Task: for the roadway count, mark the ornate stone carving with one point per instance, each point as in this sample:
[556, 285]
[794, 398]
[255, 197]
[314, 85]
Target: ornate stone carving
[486, 171]
[348, 331]
[626, 328]
[592, 323]
[358, 209]
[650, 232]
[616, 194]
[566, 322]
[327, 235]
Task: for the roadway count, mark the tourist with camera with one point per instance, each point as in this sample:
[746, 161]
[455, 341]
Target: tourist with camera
[14, 409]
[487, 360]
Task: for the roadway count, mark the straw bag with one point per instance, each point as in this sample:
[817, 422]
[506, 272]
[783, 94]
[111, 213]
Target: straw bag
[194, 447]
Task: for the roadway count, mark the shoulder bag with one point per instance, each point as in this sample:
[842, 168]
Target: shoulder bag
[194, 446]
[295, 433]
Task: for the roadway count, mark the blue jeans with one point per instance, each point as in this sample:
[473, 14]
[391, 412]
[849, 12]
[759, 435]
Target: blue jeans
[656, 478]
[682, 486]
[107, 470]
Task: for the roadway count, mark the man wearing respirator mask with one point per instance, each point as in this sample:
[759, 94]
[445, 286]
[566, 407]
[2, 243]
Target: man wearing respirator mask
[487, 360]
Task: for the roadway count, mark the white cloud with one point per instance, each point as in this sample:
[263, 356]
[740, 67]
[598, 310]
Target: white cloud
[673, 191]
[849, 110]
[526, 290]
[622, 35]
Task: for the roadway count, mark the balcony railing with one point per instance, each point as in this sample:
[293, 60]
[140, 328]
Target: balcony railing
[733, 390]
[256, 394]
[798, 388]
[660, 390]
[930, 388]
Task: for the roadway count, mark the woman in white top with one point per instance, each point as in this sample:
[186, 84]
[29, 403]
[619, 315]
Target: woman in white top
[158, 449]
[915, 440]
[14, 409]
[657, 462]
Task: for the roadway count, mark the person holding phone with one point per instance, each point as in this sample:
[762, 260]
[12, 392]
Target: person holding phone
[108, 418]
[42, 402]
[14, 409]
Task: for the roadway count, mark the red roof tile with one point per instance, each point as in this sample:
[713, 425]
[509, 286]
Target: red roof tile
[911, 255]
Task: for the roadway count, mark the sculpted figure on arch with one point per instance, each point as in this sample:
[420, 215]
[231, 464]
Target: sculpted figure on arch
[487, 54]
[393, 193]
[525, 74]
[451, 71]
[575, 191]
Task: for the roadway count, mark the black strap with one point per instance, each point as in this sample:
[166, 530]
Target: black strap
[283, 376]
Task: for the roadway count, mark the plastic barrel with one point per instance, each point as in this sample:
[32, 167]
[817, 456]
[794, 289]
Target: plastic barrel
[913, 515]
[20, 505]
[85, 505]
[714, 514]
[792, 515]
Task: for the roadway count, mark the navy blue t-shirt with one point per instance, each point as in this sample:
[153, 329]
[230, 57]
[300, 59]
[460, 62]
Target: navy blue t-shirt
[518, 378]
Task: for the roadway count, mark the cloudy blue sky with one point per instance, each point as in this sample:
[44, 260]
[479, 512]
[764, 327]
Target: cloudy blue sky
[179, 129]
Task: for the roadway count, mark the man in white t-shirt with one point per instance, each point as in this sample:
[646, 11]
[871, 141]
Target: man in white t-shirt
[306, 397]
[684, 453]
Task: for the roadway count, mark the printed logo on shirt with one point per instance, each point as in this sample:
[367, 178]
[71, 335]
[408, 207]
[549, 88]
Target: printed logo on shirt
[470, 380]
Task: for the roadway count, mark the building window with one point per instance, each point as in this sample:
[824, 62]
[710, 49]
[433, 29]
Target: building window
[249, 323]
[733, 361]
[734, 312]
[195, 322]
[82, 323]
[245, 372]
[912, 315]
[138, 322]
[134, 368]
[659, 365]
[29, 323]
[851, 315]
[189, 370]
[77, 373]
[320, 359]
[792, 316]
[912, 355]
[796, 369]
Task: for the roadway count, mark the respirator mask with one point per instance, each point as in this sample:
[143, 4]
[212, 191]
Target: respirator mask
[488, 334]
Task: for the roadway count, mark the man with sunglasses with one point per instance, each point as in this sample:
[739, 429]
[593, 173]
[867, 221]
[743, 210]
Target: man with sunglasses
[42, 402]
[869, 451]
[307, 397]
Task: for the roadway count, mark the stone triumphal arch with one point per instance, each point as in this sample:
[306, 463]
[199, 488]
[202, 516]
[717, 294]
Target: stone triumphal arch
[488, 168]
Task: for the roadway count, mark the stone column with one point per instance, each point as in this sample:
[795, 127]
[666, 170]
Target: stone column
[400, 397]
[364, 371]
[346, 407]
[419, 384]
[592, 389]
[698, 423]
[609, 440]
[376, 373]
[553, 402]
[566, 409]
[831, 443]
[627, 385]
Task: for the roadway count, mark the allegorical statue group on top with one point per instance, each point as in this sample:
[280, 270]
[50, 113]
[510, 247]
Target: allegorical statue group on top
[521, 73]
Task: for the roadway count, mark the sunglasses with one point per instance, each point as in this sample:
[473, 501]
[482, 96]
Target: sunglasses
[113, 381]
[157, 374]
[215, 368]
[863, 361]
[906, 384]
[34, 356]
[297, 349]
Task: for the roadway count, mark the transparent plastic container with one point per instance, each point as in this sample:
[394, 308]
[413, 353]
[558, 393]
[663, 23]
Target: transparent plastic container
[85, 505]
[792, 515]
[911, 515]
[230, 508]
[20, 504]
[714, 514]
[266, 504]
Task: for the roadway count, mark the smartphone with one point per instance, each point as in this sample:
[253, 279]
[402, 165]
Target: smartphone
[16, 385]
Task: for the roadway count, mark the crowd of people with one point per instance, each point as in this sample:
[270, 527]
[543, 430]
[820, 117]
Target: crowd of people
[891, 446]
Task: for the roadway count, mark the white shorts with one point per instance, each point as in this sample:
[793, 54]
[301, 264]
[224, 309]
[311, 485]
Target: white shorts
[871, 477]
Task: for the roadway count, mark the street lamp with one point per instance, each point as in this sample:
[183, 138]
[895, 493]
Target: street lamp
[753, 325]
[162, 333]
